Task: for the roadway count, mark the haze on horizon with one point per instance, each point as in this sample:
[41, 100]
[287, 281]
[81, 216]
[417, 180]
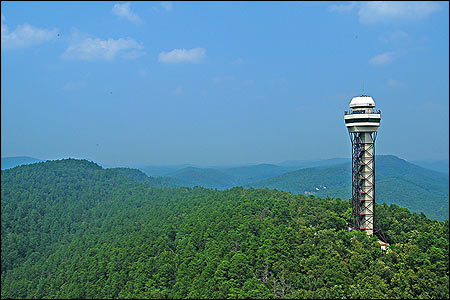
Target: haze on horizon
[216, 83]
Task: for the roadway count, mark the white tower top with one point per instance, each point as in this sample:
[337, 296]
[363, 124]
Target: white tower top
[362, 117]
[362, 101]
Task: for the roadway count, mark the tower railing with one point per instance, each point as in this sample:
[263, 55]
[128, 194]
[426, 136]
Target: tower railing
[355, 112]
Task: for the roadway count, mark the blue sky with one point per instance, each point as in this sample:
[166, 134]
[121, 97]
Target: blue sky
[220, 82]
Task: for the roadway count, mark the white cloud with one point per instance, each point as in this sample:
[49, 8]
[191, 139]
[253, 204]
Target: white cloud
[383, 58]
[25, 35]
[4, 27]
[124, 12]
[342, 7]
[167, 5]
[97, 49]
[132, 54]
[382, 11]
[371, 12]
[182, 55]
[397, 36]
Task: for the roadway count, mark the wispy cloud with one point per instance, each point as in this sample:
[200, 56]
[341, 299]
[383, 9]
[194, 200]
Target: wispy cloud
[25, 35]
[383, 58]
[124, 12]
[396, 37]
[167, 5]
[178, 91]
[143, 72]
[74, 85]
[182, 55]
[372, 12]
[97, 49]
[382, 11]
[248, 82]
[394, 83]
[342, 8]
[238, 61]
[221, 79]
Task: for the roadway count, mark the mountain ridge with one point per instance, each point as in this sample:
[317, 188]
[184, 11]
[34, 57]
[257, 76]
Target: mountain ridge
[394, 178]
[14, 161]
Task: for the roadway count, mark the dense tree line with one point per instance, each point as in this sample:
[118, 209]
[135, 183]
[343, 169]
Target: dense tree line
[71, 229]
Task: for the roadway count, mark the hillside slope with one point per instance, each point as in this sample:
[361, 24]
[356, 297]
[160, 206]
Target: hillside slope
[156, 171]
[223, 177]
[246, 174]
[138, 175]
[71, 229]
[397, 182]
[209, 178]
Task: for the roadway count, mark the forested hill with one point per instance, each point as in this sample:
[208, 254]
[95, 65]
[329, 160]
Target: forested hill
[397, 182]
[71, 229]
[138, 175]
[210, 178]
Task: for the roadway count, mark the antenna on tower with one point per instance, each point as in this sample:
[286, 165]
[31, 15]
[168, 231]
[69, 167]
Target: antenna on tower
[363, 88]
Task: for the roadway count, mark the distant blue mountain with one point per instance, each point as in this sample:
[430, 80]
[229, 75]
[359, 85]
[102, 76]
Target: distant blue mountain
[160, 170]
[210, 178]
[11, 162]
[246, 174]
[301, 164]
[421, 189]
[223, 177]
[436, 165]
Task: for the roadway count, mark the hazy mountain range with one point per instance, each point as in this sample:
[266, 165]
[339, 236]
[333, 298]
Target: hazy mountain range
[397, 181]
[436, 165]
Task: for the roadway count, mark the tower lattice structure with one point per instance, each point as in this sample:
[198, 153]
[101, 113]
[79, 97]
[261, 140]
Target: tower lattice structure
[362, 122]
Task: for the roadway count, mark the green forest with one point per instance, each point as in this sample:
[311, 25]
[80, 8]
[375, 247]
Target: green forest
[71, 229]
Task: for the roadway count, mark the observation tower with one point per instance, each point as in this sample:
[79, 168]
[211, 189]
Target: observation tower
[362, 122]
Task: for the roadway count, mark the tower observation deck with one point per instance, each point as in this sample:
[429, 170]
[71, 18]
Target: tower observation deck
[362, 122]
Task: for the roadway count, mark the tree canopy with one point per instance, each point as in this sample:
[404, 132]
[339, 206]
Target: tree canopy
[71, 229]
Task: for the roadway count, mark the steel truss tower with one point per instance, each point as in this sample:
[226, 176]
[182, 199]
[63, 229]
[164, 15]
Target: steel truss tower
[363, 183]
[362, 122]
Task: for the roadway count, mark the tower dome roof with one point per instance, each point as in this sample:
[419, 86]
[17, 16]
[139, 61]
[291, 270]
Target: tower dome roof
[362, 101]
